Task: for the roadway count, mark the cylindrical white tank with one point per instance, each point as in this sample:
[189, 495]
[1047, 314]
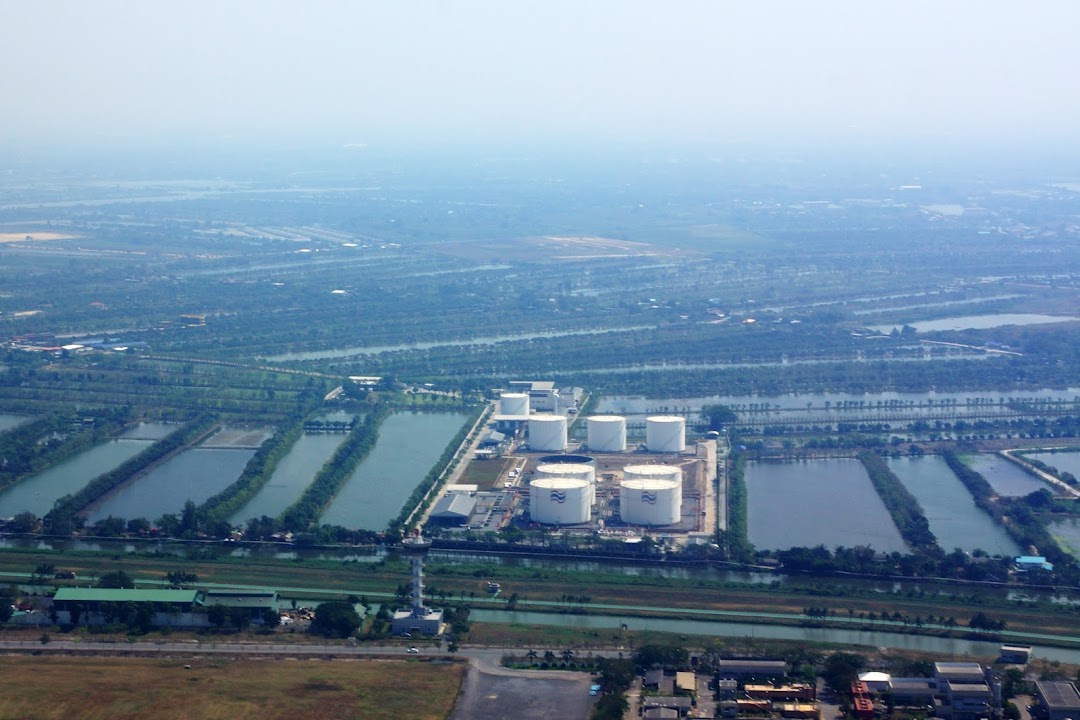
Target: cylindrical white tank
[547, 433]
[570, 470]
[607, 433]
[559, 501]
[514, 404]
[650, 502]
[653, 472]
[665, 433]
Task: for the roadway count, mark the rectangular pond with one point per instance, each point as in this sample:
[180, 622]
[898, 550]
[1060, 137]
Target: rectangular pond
[1007, 479]
[806, 503]
[408, 446]
[9, 421]
[954, 518]
[1067, 534]
[196, 474]
[37, 493]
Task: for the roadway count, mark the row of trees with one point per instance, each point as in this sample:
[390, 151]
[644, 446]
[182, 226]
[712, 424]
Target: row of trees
[304, 513]
[905, 510]
[257, 472]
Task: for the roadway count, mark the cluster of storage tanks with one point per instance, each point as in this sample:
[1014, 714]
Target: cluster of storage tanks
[564, 493]
[663, 433]
[607, 433]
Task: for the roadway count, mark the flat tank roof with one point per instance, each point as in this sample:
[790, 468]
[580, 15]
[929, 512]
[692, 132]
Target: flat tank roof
[649, 484]
[559, 482]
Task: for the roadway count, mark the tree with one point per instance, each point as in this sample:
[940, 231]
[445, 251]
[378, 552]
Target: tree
[335, 619]
[217, 615]
[118, 579]
[138, 526]
[239, 617]
[7, 597]
[189, 519]
[24, 522]
[717, 416]
[841, 669]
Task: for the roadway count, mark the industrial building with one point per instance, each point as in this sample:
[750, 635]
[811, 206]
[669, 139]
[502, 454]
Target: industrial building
[1060, 699]
[739, 669]
[452, 509]
[541, 393]
[93, 606]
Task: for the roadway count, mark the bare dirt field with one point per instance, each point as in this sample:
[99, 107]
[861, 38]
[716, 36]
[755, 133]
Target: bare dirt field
[69, 688]
[9, 237]
[498, 694]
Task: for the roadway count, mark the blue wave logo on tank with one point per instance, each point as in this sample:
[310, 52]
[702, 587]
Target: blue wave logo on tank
[558, 496]
[648, 497]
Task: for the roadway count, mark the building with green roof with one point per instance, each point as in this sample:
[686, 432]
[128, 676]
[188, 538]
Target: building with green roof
[105, 606]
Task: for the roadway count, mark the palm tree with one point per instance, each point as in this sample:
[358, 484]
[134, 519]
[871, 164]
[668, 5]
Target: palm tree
[567, 655]
[531, 654]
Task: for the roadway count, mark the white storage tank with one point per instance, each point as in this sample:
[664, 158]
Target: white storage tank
[650, 502]
[607, 433]
[547, 433]
[559, 501]
[514, 404]
[665, 433]
[653, 472]
[570, 470]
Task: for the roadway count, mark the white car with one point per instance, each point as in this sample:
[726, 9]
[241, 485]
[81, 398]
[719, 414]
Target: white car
[413, 651]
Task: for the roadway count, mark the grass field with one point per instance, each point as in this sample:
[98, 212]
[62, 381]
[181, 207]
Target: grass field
[66, 688]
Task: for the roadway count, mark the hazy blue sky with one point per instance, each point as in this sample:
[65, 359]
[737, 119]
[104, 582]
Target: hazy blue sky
[359, 71]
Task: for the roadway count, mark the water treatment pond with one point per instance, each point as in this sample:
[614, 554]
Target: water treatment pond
[954, 518]
[196, 474]
[1007, 479]
[806, 503]
[1067, 534]
[37, 493]
[409, 444]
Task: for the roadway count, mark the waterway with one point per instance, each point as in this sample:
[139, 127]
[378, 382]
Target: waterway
[977, 322]
[954, 518]
[463, 342]
[1007, 479]
[633, 405]
[37, 493]
[806, 503]
[870, 638]
[291, 477]
[409, 444]
[195, 474]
